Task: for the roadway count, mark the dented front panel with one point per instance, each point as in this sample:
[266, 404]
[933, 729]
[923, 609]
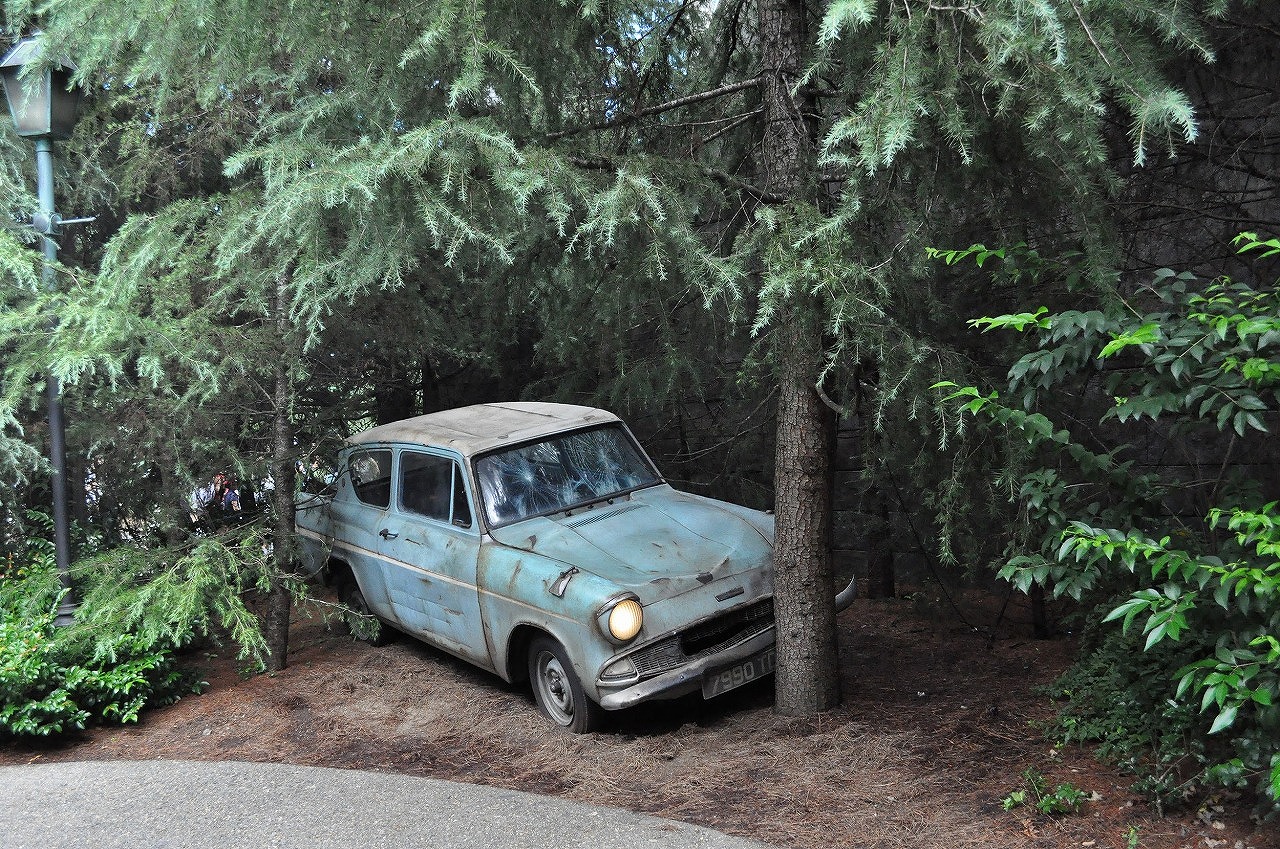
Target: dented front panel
[516, 591]
[686, 559]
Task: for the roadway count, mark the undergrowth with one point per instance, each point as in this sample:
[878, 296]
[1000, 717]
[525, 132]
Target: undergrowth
[138, 609]
[1063, 799]
[1185, 688]
[1118, 699]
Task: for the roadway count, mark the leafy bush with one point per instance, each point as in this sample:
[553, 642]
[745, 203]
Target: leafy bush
[1205, 593]
[46, 689]
[1117, 699]
[138, 609]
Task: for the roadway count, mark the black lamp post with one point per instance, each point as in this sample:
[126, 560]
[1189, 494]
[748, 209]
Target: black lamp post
[43, 104]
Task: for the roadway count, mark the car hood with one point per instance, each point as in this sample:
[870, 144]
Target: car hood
[657, 543]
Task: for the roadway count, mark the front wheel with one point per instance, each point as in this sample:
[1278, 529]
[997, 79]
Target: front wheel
[557, 689]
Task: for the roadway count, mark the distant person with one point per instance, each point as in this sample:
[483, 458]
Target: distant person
[206, 501]
[231, 498]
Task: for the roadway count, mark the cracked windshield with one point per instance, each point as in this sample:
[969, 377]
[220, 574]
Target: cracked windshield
[560, 473]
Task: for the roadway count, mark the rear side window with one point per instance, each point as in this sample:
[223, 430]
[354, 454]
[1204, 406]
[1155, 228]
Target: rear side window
[432, 486]
[371, 476]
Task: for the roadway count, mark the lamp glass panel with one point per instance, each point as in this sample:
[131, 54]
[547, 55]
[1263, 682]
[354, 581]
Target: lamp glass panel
[65, 104]
[28, 102]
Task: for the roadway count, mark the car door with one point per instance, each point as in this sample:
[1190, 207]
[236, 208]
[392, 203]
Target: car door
[360, 508]
[431, 544]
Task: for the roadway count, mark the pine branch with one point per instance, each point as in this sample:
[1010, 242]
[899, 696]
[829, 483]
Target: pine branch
[736, 123]
[654, 110]
[602, 163]
[733, 182]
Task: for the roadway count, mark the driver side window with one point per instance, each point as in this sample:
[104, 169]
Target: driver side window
[432, 486]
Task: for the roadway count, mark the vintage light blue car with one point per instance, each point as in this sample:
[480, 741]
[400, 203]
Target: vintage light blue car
[538, 541]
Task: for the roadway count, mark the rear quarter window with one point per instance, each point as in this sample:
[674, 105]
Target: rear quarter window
[371, 476]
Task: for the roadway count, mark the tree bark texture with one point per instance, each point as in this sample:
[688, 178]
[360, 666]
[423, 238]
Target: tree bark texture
[787, 145]
[807, 672]
[804, 605]
[283, 474]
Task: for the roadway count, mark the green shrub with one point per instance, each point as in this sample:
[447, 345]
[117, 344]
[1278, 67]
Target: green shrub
[1116, 698]
[1063, 799]
[1189, 690]
[138, 609]
[46, 689]
[34, 698]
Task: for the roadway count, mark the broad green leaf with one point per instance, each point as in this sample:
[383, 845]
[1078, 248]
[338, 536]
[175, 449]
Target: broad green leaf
[1224, 719]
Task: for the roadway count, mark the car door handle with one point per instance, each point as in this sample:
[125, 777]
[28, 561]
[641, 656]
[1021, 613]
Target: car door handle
[386, 534]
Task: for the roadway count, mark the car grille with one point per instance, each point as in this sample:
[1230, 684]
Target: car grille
[704, 639]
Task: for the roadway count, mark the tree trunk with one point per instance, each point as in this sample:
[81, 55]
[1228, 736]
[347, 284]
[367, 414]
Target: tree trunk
[431, 402]
[804, 605]
[807, 680]
[394, 394]
[174, 521]
[283, 475]
[787, 144]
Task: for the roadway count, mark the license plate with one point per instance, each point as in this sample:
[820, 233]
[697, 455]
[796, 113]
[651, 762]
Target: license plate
[724, 680]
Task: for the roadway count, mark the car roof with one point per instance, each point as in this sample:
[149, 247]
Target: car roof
[472, 430]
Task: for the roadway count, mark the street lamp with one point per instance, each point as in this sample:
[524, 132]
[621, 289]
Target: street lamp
[43, 104]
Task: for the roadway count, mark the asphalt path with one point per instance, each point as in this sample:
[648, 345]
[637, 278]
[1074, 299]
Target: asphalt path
[228, 805]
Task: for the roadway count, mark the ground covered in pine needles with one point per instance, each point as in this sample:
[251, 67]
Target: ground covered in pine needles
[937, 726]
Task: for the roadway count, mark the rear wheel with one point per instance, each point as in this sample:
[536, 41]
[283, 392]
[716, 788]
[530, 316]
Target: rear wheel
[370, 629]
[557, 689]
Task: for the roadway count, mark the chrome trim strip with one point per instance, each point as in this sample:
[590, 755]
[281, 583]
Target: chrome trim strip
[845, 597]
[335, 544]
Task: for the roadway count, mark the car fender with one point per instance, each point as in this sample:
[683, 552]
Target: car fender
[516, 592]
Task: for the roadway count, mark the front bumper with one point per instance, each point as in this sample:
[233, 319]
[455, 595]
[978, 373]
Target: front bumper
[687, 678]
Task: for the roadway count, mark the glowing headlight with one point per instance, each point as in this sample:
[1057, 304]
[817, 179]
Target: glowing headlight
[625, 619]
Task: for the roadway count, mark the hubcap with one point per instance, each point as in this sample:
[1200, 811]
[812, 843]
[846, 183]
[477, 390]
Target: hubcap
[553, 686]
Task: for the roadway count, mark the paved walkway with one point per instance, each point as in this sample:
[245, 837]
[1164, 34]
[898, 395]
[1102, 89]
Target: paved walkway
[220, 805]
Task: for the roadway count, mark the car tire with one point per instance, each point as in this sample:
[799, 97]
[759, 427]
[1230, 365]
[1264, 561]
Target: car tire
[354, 599]
[558, 691]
